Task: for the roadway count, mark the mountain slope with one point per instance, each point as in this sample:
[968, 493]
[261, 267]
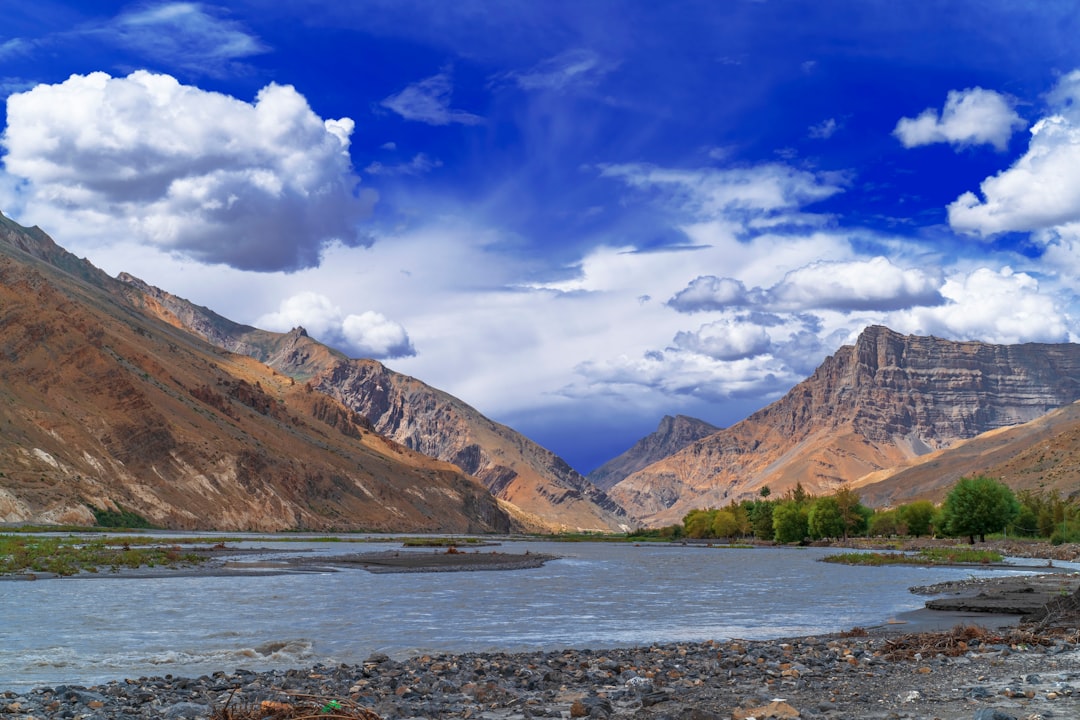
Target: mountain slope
[671, 436]
[102, 405]
[869, 406]
[430, 421]
[1043, 454]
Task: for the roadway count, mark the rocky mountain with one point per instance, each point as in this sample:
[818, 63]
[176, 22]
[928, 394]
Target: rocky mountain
[1043, 454]
[870, 406]
[550, 494]
[105, 406]
[672, 435]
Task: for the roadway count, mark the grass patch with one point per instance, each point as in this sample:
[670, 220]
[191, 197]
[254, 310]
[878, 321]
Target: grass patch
[71, 555]
[927, 556]
[441, 541]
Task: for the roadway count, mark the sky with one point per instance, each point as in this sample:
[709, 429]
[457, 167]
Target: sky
[577, 216]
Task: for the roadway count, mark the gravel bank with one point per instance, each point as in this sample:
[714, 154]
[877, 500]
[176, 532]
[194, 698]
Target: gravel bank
[969, 674]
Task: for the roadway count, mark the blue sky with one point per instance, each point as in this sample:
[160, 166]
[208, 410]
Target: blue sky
[576, 216]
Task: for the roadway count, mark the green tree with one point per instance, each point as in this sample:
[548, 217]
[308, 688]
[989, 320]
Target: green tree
[790, 522]
[918, 516]
[825, 519]
[852, 512]
[761, 519]
[888, 522]
[979, 505]
[698, 523]
[725, 524]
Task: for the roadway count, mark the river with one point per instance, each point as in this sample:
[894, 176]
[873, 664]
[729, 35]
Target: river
[84, 631]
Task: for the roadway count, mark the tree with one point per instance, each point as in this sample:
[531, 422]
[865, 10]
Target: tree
[825, 519]
[852, 512]
[790, 522]
[888, 522]
[761, 518]
[725, 524]
[918, 516]
[979, 505]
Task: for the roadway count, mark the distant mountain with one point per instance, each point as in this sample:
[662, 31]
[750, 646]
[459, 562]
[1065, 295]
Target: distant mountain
[550, 493]
[1040, 455]
[672, 435]
[872, 405]
[103, 405]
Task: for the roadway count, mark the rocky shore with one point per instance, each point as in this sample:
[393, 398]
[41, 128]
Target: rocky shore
[966, 673]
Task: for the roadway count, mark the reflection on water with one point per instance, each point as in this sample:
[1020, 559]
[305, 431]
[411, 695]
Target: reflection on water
[600, 594]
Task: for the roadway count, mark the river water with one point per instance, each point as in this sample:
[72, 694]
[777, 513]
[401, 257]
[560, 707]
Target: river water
[84, 631]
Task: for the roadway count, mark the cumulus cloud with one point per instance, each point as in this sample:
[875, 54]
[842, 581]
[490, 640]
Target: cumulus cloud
[259, 186]
[846, 286]
[708, 292]
[1001, 306]
[1042, 188]
[874, 284]
[185, 35]
[970, 117]
[428, 101]
[726, 339]
[369, 334]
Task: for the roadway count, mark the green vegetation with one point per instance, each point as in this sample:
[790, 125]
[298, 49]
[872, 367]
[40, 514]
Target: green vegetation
[928, 556]
[977, 506]
[71, 555]
[121, 518]
[441, 541]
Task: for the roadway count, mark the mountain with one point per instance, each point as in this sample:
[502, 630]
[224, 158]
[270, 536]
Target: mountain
[103, 405]
[550, 493]
[1043, 454]
[672, 435]
[870, 406]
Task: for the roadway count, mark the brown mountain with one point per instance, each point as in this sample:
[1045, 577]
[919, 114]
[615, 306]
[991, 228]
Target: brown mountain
[1043, 454]
[870, 406]
[671, 436]
[104, 405]
[515, 469]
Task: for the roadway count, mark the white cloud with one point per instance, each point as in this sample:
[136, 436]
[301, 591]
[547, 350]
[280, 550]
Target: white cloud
[742, 194]
[708, 292]
[260, 186]
[428, 101]
[824, 129]
[369, 334]
[726, 339]
[419, 165]
[573, 68]
[970, 117]
[1042, 188]
[184, 35]
[874, 284]
[992, 306]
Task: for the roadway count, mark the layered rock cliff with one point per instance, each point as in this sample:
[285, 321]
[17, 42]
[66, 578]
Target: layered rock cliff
[671, 436]
[425, 419]
[105, 406]
[870, 406]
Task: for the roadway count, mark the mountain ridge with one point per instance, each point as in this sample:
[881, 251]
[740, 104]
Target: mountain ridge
[871, 405]
[514, 468]
[105, 406]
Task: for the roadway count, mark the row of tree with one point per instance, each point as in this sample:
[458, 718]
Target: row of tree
[974, 507]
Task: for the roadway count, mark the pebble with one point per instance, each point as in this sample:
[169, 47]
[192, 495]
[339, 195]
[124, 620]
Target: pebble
[806, 678]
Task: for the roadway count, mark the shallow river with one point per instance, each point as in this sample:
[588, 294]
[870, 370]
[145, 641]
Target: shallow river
[599, 594]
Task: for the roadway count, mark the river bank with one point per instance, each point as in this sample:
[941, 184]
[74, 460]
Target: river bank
[963, 674]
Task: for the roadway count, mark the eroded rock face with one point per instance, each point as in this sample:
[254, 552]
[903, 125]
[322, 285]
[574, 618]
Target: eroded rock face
[870, 406]
[550, 493]
[439, 425]
[671, 436]
[103, 405]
